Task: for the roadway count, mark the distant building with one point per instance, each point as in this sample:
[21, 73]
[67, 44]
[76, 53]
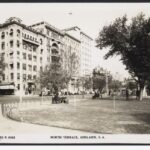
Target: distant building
[72, 59]
[86, 48]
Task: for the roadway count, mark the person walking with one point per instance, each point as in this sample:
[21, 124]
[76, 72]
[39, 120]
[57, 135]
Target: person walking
[127, 94]
[137, 94]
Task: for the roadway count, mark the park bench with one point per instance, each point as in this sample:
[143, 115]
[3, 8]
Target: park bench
[60, 99]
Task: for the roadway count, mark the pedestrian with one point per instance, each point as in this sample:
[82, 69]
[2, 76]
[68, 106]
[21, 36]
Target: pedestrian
[137, 94]
[100, 94]
[110, 92]
[127, 94]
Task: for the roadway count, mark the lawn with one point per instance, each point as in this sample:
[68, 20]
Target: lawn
[97, 116]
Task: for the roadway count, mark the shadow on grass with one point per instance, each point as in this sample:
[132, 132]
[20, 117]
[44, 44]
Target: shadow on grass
[145, 117]
[143, 128]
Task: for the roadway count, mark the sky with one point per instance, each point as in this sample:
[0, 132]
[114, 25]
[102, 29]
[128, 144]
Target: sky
[90, 17]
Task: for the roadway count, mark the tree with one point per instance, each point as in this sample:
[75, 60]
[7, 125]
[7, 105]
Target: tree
[115, 85]
[59, 73]
[2, 65]
[131, 42]
[99, 79]
[71, 63]
[86, 82]
[131, 84]
[53, 77]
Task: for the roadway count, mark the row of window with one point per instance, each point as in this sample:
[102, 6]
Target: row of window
[25, 76]
[26, 36]
[34, 58]
[24, 67]
[11, 44]
[11, 33]
[29, 57]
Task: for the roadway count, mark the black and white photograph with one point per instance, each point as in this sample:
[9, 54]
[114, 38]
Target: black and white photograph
[74, 73]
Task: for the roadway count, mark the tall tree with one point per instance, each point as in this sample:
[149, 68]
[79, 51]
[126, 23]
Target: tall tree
[53, 77]
[131, 42]
[86, 83]
[99, 79]
[70, 60]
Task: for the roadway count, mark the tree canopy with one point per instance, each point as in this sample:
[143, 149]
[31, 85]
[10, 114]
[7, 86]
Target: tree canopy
[131, 41]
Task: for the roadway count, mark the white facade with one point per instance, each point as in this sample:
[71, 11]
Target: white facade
[23, 52]
[86, 48]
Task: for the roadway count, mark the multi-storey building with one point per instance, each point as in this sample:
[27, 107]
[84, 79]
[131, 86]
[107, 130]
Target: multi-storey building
[28, 49]
[24, 52]
[86, 48]
[72, 59]
[54, 40]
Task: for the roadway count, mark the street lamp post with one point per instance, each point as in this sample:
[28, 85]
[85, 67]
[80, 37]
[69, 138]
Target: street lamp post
[114, 101]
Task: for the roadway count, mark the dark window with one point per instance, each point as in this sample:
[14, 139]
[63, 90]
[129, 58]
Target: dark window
[12, 76]
[18, 53]
[11, 66]
[41, 69]
[18, 87]
[11, 32]
[18, 65]
[24, 77]
[11, 43]
[34, 68]
[24, 56]
[3, 35]
[24, 67]
[34, 58]
[18, 43]
[41, 51]
[30, 67]
[34, 49]
[29, 77]
[30, 57]
[3, 45]
[18, 32]
[34, 77]
[18, 76]
[40, 59]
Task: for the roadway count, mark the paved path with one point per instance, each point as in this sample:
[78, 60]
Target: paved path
[8, 126]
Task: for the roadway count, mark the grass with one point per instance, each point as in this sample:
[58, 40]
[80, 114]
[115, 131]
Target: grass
[97, 116]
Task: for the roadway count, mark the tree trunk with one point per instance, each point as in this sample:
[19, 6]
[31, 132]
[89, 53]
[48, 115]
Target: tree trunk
[141, 93]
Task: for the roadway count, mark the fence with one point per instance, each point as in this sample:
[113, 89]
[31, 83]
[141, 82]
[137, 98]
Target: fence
[8, 109]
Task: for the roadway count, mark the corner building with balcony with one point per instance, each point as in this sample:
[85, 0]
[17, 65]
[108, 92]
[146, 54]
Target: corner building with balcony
[28, 49]
[23, 50]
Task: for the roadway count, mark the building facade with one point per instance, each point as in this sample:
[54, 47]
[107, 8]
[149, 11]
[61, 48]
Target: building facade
[72, 60]
[23, 50]
[86, 48]
[28, 49]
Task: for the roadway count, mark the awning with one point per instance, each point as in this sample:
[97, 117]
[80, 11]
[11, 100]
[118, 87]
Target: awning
[7, 86]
